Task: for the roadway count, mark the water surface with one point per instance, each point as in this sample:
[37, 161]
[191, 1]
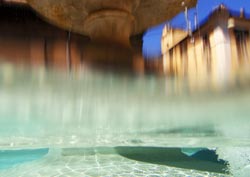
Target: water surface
[68, 113]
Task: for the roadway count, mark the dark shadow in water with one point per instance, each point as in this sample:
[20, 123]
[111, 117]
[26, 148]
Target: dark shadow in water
[204, 130]
[204, 160]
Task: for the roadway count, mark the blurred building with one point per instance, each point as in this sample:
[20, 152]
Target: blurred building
[210, 40]
[219, 48]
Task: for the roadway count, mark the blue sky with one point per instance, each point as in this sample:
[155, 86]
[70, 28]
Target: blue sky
[204, 8]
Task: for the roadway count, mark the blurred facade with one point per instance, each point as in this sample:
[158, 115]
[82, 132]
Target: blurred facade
[221, 45]
[220, 48]
[27, 40]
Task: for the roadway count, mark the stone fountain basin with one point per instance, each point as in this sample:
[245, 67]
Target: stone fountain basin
[73, 14]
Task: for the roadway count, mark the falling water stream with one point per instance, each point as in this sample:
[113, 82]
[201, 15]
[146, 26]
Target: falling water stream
[94, 123]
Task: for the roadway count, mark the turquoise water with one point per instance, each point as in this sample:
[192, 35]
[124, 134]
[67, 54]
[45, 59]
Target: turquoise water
[10, 158]
[105, 124]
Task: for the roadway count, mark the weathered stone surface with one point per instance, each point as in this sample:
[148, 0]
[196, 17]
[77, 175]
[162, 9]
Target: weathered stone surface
[72, 14]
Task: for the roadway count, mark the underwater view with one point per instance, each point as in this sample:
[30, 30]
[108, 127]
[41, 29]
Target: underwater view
[95, 123]
[124, 88]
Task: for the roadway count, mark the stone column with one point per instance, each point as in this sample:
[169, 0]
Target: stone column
[110, 30]
[221, 61]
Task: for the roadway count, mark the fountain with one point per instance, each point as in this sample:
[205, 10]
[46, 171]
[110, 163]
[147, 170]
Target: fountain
[104, 124]
[109, 23]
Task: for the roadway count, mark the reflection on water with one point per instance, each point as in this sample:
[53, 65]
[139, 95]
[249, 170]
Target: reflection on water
[40, 109]
[10, 158]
